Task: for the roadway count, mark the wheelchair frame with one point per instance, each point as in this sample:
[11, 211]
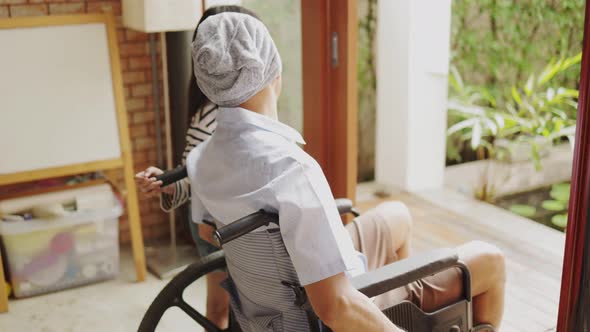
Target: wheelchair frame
[456, 317]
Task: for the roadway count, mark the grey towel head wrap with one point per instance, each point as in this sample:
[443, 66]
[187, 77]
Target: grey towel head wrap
[234, 58]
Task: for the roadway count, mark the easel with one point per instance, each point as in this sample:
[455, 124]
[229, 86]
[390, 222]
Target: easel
[125, 161]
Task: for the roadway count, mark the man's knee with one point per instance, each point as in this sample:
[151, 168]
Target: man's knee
[488, 257]
[396, 214]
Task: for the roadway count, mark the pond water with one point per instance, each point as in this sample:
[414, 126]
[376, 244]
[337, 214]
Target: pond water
[547, 205]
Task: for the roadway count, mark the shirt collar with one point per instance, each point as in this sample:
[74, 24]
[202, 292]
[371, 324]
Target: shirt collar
[239, 117]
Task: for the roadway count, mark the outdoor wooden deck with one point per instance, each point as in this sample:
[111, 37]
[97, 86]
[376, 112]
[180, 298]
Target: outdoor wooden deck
[533, 273]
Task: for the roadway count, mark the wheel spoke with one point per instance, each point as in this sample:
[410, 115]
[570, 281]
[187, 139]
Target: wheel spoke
[195, 315]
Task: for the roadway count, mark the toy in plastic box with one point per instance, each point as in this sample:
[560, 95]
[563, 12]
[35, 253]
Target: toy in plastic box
[80, 247]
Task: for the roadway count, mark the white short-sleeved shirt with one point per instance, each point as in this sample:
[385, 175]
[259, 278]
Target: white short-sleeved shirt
[252, 162]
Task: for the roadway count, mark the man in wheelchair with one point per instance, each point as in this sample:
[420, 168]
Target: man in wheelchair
[252, 162]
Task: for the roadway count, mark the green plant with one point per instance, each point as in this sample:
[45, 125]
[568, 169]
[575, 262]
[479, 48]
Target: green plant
[545, 109]
[535, 108]
[523, 210]
[498, 42]
[495, 43]
[551, 205]
[561, 196]
[557, 206]
[367, 85]
[559, 220]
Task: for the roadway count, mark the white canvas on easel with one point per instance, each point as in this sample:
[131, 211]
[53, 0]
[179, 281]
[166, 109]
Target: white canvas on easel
[62, 107]
[57, 106]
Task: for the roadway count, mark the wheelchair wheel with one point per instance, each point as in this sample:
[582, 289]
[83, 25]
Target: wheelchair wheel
[171, 295]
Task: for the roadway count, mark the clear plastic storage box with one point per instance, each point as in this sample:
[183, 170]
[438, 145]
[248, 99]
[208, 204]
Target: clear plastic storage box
[45, 255]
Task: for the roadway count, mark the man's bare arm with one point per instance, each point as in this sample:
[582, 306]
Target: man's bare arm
[343, 308]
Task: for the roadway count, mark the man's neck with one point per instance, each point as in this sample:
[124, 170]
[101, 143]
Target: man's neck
[264, 102]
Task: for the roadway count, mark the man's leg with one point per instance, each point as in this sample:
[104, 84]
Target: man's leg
[382, 234]
[488, 279]
[488, 276]
[217, 299]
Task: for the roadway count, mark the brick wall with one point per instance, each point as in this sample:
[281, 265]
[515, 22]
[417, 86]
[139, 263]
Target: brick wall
[135, 64]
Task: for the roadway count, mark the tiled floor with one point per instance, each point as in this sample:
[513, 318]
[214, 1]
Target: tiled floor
[115, 306]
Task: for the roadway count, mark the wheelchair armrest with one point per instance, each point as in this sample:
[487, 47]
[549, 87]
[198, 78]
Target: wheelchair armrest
[405, 271]
[244, 226]
[261, 218]
[344, 206]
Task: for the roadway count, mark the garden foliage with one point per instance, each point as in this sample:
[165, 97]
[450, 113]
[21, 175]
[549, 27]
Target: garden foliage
[514, 74]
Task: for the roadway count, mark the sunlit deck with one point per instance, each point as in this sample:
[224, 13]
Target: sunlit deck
[533, 252]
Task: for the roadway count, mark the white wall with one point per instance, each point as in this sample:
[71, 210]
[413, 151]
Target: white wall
[392, 91]
[412, 66]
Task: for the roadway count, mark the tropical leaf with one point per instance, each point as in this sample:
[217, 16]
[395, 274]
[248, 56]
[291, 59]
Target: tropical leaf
[499, 120]
[568, 62]
[476, 135]
[559, 220]
[551, 205]
[561, 192]
[559, 195]
[455, 79]
[558, 124]
[550, 94]
[549, 72]
[462, 125]
[491, 125]
[561, 114]
[528, 87]
[523, 210]
[525, 111]
[558, 66]
[573, 104]
[564, 92]
[470, 110]
[511, 109]
[563, 187]
[516, 96]
[564, 132]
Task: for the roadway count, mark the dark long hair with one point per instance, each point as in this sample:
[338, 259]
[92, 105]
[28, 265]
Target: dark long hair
[197, 100]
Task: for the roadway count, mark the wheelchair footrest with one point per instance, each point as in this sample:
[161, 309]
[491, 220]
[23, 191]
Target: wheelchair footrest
[408, 316]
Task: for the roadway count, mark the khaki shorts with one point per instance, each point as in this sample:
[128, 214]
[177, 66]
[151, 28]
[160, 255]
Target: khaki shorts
[372, 234]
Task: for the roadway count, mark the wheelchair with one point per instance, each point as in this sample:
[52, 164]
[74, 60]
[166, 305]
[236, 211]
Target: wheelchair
[456, 317]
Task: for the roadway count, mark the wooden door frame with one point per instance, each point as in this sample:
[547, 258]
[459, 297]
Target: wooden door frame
[330, 90]
[577, 243]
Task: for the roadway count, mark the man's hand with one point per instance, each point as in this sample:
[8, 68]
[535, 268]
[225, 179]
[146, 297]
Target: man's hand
[206, 233]
[148, 184]
[343, 308]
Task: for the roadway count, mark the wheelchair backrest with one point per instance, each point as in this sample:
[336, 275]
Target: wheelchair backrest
[263, 284]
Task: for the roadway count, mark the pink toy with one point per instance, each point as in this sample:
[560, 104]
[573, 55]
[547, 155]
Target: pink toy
[59, 245]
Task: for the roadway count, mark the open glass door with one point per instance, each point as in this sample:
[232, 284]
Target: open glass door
[283, 20]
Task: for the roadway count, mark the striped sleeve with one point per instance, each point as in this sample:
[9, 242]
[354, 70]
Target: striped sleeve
[201, 128]
[181, 195]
